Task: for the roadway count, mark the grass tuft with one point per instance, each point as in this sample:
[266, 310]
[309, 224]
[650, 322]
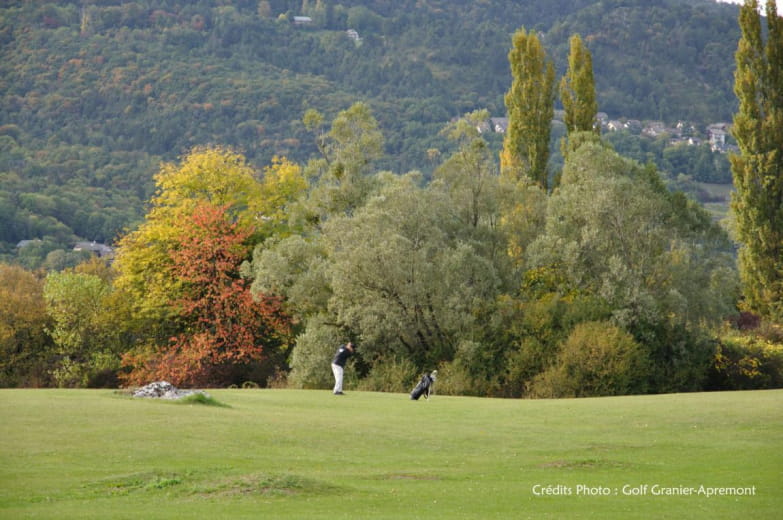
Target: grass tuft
[200, 398]
[262, 484]
[134, 483]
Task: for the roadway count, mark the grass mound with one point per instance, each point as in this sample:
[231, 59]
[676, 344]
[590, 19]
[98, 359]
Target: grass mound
[204, 485]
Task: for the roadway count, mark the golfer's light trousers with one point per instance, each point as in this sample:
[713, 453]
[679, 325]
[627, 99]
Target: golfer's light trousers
[337, 370]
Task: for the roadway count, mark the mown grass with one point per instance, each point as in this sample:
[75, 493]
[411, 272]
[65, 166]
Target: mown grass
[308, 454]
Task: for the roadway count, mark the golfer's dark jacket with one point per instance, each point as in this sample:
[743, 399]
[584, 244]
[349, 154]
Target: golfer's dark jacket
[342, 356]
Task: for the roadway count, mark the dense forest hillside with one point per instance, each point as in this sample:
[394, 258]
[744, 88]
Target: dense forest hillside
[95, 94]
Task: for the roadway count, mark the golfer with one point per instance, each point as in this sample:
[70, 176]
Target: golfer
[338, 366]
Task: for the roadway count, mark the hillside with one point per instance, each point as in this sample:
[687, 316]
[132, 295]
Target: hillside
[94, 95]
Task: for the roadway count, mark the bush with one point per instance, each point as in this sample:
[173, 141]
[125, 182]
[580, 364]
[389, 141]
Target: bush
[524, 363]
[597, 359]
[473, 371]
[680, 357]
[312, 355]
[454, 378]
[746, 363]
[394, 375]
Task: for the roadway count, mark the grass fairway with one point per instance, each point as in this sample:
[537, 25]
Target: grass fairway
[310, 455]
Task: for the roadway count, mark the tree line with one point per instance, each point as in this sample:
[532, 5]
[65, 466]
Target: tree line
[510, 280]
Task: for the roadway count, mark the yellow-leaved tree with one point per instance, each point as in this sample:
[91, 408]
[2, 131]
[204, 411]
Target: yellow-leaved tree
[283, 183]
[214, 175]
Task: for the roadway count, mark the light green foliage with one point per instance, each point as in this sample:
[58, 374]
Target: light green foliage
[86, 342]
[295, 267]
[470, 174]
[470, 180]
[354, 140]
[314, 351]
[407, 272]
[757, 202]
[530, 106]
[663, 269]
[348, 150]
[401, 279]
[613, 230]
[577, 93]
[597, 359]
[577, 90]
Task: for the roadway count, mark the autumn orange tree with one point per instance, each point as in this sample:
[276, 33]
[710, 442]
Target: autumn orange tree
[223, 325]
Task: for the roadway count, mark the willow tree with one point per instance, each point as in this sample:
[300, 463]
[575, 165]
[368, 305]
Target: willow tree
[758, 169]
[530, 106]
[341, 176]
[577, 91]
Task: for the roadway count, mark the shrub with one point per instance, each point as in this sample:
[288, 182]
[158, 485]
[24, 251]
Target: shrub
[312, 355]
[597, 359]
[473, 371]
[680, 356]
[279, 379]
[454, 378]
[746, 363]
[394, 375]
[524, 363]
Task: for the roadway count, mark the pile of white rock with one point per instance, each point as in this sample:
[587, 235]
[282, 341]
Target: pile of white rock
[164, 390]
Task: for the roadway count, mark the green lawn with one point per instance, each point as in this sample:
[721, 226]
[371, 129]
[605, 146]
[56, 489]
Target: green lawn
[310, 455]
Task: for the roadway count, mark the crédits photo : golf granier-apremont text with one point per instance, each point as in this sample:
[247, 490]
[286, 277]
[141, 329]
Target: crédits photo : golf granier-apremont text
[641, 490]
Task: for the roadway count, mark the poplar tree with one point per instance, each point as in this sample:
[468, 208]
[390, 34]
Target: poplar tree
[758, 168]
[577, 90]
[530, 106]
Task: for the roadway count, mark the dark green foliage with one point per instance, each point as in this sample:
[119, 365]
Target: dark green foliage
[635, 45]
[95, 95]
[746, 363]
[699, 163]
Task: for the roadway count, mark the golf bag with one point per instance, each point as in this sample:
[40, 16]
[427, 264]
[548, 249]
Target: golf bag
[425, 386]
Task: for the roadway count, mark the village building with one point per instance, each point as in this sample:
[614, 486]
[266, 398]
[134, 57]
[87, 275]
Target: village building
[98, 249]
